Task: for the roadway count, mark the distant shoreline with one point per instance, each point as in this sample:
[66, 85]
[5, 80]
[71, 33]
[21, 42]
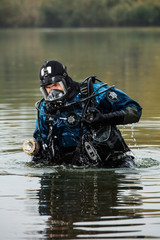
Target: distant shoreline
[79, 14]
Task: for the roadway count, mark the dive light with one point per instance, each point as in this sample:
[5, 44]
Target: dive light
[31, 147]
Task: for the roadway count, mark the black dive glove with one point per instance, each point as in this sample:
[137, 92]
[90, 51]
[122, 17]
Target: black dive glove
[95, 117]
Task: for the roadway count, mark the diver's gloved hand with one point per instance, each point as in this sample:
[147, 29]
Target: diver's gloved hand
[95, 117]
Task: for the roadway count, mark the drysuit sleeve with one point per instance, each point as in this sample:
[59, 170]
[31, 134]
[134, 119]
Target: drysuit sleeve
[119, 108]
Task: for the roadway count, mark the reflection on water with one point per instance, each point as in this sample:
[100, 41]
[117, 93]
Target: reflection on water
[65, 203]
[93, 197]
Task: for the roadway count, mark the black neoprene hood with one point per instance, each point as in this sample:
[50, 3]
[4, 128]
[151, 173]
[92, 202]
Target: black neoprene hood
[51, 71]
[54, 68]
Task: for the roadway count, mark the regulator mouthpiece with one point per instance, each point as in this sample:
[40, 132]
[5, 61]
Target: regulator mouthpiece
[54, 95]
[31, 147]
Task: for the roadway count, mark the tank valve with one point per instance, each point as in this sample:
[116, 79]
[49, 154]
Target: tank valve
[31, 147]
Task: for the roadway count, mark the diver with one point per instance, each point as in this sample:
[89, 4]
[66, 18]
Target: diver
[77, 122]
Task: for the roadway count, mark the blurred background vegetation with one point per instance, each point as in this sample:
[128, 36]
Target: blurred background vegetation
[79, 13]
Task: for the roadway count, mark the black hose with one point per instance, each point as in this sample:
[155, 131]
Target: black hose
[74, 103]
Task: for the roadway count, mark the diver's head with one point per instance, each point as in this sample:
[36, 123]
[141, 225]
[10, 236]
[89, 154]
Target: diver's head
[54, 85]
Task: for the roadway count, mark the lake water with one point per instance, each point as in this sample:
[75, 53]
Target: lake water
[44, 202]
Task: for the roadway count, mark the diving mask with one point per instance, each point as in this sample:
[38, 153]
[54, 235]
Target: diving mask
[54, 94]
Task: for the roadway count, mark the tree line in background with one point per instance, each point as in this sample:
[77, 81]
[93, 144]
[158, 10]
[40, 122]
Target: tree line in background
[79, 13]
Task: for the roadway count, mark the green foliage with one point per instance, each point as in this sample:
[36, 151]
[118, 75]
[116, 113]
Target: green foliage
[19, 13]
[8, 11]
[71, 13]
[79, 13]
[147, 14]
